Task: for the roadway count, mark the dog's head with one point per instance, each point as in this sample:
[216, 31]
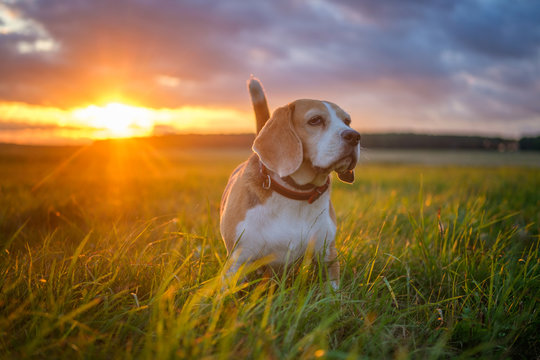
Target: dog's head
[309, 134]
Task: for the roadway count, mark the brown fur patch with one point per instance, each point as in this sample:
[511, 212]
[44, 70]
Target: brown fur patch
[243, 192]
[278, 145]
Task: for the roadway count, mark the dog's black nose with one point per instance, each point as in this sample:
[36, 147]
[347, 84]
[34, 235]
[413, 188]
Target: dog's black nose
[351, 137]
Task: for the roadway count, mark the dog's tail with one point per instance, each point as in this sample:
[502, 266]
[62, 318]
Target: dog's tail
[258, 100]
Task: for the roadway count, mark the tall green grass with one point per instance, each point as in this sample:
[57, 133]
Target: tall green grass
[116, 253]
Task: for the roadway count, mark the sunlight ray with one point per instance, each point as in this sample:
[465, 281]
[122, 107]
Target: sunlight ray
[60, 167]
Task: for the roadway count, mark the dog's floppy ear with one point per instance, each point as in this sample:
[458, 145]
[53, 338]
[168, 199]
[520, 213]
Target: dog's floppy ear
[347, 176]
[278, 146]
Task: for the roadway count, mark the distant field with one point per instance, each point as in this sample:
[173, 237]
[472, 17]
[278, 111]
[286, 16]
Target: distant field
[452, 157]
[113, 251]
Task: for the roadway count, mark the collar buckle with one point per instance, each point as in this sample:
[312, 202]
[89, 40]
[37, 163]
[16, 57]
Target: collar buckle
[267, 182]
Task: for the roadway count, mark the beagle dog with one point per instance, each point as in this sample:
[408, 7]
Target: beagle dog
[277, 203]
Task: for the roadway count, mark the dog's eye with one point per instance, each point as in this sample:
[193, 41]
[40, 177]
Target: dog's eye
[316, 120]
[347, 121]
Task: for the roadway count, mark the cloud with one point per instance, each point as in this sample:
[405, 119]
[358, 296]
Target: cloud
[411, 63]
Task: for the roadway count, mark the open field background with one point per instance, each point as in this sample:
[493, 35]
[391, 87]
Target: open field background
[113, 251]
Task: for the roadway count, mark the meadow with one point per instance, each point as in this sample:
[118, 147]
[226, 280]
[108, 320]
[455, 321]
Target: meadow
[113, 251]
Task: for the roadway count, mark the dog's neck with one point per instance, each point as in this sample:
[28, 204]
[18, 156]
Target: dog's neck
[306, 174]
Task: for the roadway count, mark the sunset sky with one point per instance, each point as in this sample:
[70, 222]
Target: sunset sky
[72, 71]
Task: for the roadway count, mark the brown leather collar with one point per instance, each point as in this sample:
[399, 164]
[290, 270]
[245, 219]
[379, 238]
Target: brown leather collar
[310, 196]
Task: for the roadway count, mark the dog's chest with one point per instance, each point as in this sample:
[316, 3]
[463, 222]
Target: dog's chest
[284, 228]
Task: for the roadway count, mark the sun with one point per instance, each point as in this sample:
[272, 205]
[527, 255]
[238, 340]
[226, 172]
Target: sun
[116, 120]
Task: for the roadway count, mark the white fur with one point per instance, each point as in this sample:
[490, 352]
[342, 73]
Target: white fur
[283, 228]
[331, 145]
[256, 90]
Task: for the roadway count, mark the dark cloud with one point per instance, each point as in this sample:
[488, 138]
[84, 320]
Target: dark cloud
[475, 60]
[499, 30]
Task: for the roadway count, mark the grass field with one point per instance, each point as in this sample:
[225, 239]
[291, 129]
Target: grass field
[113, 251]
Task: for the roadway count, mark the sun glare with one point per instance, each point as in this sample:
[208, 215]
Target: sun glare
[116, 120]
[37, 124]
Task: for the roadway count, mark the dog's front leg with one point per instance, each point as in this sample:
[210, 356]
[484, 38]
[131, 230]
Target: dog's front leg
[238, 260]
[235, 261]
[332, 263]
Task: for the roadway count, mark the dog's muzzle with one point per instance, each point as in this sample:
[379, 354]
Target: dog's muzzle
[351, 137]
